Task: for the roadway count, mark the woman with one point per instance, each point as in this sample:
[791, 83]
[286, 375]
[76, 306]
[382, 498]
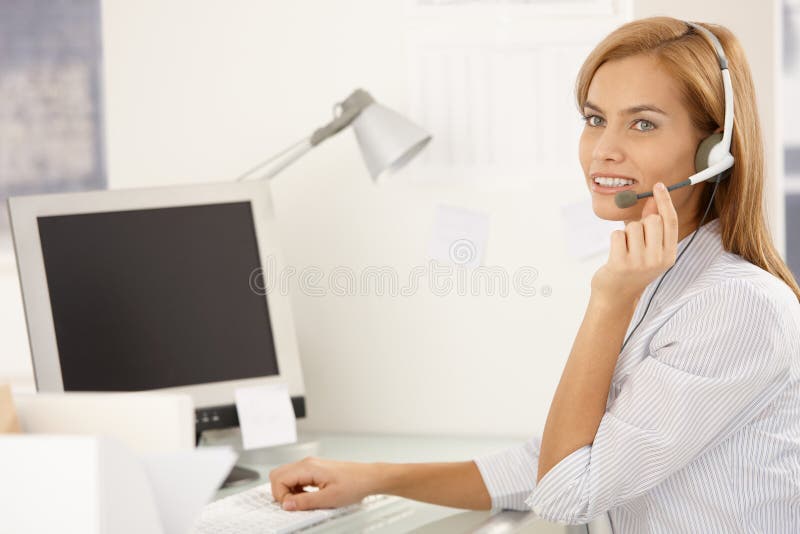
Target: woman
[694, 426]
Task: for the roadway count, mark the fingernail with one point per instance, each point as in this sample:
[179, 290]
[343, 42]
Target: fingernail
[661, 186]
[289, 505]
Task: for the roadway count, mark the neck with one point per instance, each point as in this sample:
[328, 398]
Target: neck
[685, 229]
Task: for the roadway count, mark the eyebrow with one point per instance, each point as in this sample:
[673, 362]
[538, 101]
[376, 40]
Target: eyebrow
[629, 111]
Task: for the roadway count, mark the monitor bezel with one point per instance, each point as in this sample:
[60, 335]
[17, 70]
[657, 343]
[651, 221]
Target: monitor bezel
[24, 212]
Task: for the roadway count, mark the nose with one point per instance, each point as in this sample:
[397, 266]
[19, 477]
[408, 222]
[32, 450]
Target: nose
[608, 146]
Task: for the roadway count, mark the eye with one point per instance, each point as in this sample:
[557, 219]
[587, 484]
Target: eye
[589, 122]
[646, 125]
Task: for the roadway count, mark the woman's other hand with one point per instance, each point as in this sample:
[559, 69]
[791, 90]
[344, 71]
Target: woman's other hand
[641, 252]
[339, 483]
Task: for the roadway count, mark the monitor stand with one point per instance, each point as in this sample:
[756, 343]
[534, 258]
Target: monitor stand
[239, 476]
[267, 456]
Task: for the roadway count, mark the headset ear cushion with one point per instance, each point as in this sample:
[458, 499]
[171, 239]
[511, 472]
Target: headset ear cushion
[701, 157]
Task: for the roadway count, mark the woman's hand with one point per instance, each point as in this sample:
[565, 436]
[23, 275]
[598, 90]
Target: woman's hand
[339, 483]
[641, 252]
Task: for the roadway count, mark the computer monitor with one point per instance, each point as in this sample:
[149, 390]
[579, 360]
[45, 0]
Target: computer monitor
[157, 289]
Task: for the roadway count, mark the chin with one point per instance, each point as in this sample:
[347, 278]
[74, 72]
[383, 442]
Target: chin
[605, 209]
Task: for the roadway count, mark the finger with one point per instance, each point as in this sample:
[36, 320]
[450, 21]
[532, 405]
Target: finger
[619, 248]
[635, 235]
[285, 482]
[277, 478]
[277, 489]
[653, 232]
[307, 500]
[668, 214]
[650, 206]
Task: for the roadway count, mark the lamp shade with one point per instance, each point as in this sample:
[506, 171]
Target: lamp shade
[387, 139]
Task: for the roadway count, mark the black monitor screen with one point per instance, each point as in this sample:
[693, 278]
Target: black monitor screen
[156, 298]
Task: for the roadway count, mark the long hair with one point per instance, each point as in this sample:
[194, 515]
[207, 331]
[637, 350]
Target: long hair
[690, 59]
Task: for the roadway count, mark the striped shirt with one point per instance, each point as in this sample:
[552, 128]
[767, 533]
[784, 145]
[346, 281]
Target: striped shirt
[702, 426]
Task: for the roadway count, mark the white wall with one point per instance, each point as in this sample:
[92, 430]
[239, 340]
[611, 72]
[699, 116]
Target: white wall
[198, 91]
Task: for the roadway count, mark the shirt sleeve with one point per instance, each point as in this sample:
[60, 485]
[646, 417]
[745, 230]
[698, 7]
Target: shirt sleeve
[510, 475]
[710, 369]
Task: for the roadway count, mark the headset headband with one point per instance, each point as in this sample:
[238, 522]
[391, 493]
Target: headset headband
[726, 83]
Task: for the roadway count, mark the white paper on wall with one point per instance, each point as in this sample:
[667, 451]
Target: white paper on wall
[494, 84]
[459, 236]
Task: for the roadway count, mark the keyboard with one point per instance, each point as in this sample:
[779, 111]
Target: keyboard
[256, 511]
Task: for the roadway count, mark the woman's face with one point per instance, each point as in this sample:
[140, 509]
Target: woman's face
[638, 128]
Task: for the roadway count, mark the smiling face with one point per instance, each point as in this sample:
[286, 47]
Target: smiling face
[637, 127]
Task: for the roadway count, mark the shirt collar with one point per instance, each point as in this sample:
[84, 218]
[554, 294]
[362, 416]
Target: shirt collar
[704, 233]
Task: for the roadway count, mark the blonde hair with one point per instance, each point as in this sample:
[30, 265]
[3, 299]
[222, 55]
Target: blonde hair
[689, 57]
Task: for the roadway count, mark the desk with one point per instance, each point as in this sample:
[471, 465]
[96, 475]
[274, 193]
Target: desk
[421, 518]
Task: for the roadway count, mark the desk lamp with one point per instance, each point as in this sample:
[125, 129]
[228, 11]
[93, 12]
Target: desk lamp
[387, 139]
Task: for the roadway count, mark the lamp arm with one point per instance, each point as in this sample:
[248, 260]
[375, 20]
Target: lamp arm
[332, 128]
[351, 107]
[288, 160]
[269, 160]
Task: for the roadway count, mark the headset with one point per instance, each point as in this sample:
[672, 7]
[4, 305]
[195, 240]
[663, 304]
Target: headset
[712, 160]
[713, 156]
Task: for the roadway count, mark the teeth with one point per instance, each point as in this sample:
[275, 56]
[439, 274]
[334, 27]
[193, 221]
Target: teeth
[612, 182]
